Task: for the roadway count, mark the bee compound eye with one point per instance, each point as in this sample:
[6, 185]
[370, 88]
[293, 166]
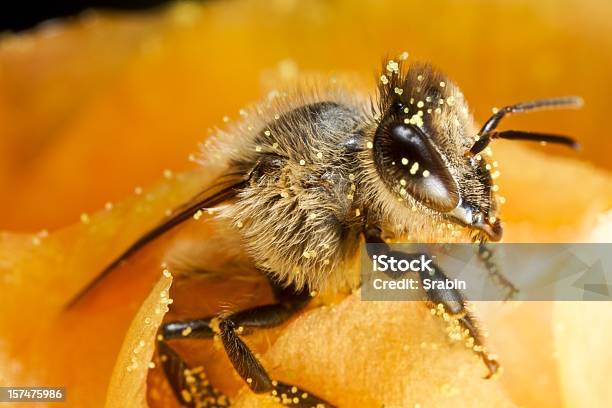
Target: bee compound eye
[409, 163]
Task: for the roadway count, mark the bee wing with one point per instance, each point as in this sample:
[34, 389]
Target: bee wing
[222, 190]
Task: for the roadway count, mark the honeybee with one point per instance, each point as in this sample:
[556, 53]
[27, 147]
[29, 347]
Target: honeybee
[311, 174]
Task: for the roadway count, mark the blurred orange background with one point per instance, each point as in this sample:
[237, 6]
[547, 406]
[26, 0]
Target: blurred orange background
[93, 107]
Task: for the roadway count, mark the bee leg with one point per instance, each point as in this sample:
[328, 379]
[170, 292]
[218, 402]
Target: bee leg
[486, 256]
[289, 301]
[453, 308]
[446, 303]
[255, 375]
[242, 358]
[190, 385]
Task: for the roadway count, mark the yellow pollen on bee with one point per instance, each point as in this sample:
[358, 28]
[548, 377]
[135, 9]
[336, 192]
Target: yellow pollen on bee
[267, 133]
[450, 101]
[302, 162]
[495, 163]
[411, 101]
[197, 215]
[326, 262]
[502, 200]
[403, 182]
[225, 119]
[258, 148]
[404, 161]
[442, 84]
[426, 173]
[495, 110]
[420, 104]
[429, 111]
[277, 116]
[406, 110]
[398, 91]
[392, 66]
[407, 121]
[414, 168]
[417, 120]
[186, 395]
[402, 191]
[275, 145]
[492, 219]
[186, 331]
[369, 145]
[428, 99]
[166, 273]
[438, 110]
[384, 79]
[357, 212]
[488, 166]
[239, 224]
[402, 57]
[249, 380]
[319, 155]
[495, 187]
[419, 77]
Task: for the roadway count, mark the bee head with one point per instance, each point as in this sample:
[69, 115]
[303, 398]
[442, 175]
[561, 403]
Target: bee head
[428, 153]
[419, 145]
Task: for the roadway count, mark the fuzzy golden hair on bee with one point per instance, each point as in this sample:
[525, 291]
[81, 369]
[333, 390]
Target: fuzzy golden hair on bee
[297, 215]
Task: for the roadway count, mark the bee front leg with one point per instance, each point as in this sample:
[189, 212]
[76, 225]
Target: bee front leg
[446, 303]
[486, 255]
[242, 358]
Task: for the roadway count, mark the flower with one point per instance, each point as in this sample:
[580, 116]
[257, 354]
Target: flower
[92, 108]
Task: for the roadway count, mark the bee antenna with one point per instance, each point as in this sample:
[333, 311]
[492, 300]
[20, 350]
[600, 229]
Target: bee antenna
[488, 133]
